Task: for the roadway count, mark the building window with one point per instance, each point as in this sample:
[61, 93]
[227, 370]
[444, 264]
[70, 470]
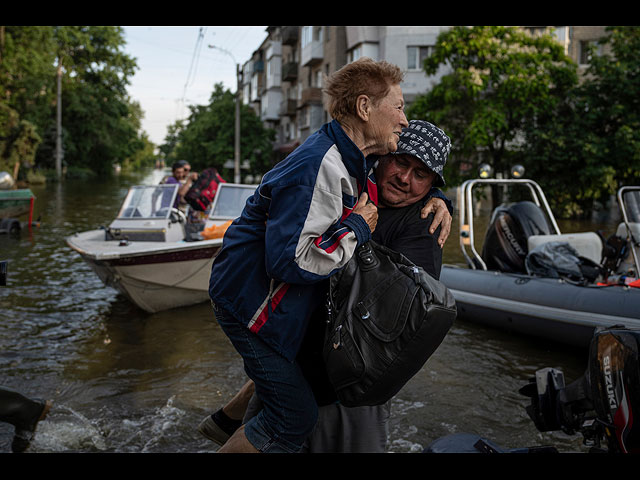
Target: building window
[306, 36]
[355, 54]
[304, 119]
[417, 55]
[586, 50]
[310, 34]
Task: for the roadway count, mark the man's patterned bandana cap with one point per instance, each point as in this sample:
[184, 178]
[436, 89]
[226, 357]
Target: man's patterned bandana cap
[429, 144]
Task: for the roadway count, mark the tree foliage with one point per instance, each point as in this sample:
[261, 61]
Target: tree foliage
[100, 123]
[207, 138]
[500, 79]
[590, 147]
[25, 91]
[516, 98]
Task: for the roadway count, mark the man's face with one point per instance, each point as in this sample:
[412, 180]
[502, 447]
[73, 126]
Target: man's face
[402, 180]
[179, 173]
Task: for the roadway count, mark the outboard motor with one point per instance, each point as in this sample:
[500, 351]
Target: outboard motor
[505, 244]
[603, 403]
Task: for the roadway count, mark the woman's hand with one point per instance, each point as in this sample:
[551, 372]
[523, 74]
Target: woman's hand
[367, 210]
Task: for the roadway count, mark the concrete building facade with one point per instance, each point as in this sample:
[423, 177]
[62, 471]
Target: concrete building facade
[283, 79]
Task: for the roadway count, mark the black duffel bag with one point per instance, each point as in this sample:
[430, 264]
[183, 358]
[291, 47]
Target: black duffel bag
[386, 317]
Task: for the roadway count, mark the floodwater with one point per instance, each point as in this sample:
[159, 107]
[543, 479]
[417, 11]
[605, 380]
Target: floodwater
[122, 380]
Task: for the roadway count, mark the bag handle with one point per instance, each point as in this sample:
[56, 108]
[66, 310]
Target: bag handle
[367, 257]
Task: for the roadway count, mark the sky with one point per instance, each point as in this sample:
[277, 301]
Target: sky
[177, 68]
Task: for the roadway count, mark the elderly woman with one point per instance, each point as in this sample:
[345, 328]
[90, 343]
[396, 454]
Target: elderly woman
[302, 225]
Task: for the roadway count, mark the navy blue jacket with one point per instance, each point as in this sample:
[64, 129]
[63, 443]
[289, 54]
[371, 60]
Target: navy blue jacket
[293, 234]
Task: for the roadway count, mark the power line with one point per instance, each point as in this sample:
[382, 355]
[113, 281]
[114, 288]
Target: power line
[194, 62]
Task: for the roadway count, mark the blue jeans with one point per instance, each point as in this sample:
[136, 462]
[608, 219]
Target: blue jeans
[289, 411]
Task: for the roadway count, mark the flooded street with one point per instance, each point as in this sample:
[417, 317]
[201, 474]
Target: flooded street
[122, 380]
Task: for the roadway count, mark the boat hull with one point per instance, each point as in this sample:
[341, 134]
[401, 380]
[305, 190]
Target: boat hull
[541, 307]
[153, 277]
[15, 203]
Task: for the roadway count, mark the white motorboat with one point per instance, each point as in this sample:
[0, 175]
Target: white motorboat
[152, 254]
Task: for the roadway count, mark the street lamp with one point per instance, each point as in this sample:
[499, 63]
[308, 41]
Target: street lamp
[236, 170]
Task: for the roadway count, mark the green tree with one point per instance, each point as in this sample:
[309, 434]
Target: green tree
[100, 123]
[171, 140]
[141, 157]
[590, 147]
[26, 91]
[500, 80]
[98, 118]
[27, 71]
[143, 150]
[609, 102]
[207, 139]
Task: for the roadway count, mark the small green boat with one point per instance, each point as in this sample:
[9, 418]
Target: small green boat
[15, 203]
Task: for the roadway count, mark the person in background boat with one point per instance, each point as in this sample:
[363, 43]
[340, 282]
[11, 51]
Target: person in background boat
[180, 174]
[186, 167]
[176, 178]
[188, 179]
[404, 179]
[24, 414]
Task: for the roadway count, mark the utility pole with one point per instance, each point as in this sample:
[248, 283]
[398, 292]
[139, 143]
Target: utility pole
[59, 121]
[1, 42]
[236, 158]
[236, 167]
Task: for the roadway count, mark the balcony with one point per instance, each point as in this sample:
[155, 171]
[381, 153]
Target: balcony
[290, 71]
[270, 105]
[311, 95]
[258, 66]
[288, 108]
[290, 35]
[312, 53]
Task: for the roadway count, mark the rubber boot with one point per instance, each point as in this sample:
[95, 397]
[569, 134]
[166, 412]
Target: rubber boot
[24, 414]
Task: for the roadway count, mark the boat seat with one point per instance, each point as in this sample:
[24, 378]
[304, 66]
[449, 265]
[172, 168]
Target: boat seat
[587, 244]
[628, 263]
[622, 230]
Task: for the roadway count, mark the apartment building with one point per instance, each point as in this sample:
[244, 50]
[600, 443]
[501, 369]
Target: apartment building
[283, 79]
[576, 40]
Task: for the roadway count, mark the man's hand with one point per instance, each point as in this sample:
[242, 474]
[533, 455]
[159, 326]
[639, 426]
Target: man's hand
[441, 216]
[368, 211]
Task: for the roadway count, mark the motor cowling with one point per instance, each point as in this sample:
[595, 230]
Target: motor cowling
[505, 244]
[602, 404]
[614, 376]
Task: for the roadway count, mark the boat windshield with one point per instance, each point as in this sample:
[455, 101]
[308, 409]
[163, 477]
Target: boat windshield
[230, 200]
[631, 199]
[148, 201]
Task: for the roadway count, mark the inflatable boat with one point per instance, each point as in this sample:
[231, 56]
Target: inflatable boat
[534, 280]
